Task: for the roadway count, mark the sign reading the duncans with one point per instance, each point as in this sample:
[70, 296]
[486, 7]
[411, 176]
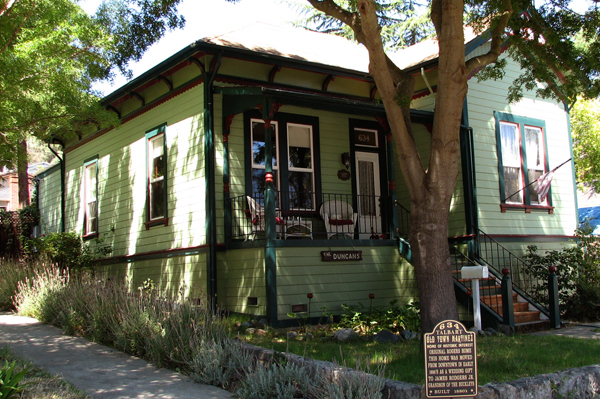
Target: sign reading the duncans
[332, 256]
[450, 361]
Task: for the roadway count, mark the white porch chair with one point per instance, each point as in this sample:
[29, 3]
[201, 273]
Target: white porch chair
[257, 219]
[339, 218]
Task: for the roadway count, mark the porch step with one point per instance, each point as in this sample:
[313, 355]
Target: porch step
[527, 317]
[518, 307]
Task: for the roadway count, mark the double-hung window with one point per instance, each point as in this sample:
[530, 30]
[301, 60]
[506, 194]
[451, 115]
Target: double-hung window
[259, 146]
[90, 197]
[294, 161]
[156, 171]
[522, 159]
[301, 173]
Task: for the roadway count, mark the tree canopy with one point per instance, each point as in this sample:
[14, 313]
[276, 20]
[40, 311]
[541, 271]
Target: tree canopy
[51, 52]
[585, 125]
[403, 22]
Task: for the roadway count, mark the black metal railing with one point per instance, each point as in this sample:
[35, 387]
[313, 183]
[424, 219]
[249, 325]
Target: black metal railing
[490, 289]
[497, 257]
[310, 215]
[403, 221]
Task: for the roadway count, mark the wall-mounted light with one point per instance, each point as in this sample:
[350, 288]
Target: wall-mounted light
[346, 160]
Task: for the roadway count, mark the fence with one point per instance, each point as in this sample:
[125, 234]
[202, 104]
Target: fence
[10, 231]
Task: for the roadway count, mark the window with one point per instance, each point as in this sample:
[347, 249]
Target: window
[90, 197]
[157, 171]
[522, 159]
[300, 176]
[293, 139]
[259, 140]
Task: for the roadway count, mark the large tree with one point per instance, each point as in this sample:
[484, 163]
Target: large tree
[51, 52]
[585, 125]
[540, 39]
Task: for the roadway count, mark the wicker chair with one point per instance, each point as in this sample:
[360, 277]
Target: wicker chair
[339, 218]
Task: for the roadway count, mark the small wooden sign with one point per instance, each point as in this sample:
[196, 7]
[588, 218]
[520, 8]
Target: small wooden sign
[343, 174]
[450, 361]
[333, 256]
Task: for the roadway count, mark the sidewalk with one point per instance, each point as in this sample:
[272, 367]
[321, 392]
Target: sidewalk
[574, 330]
[101, 371]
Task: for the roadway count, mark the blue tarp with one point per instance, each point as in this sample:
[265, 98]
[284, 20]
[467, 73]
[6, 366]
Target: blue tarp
[592, 215]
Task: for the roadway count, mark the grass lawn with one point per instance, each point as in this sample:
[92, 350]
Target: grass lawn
[41, 384]
[499, 358]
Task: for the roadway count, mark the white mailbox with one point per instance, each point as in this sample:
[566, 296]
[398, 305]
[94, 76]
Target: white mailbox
[473, 272]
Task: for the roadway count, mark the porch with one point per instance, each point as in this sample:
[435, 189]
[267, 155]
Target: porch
[312, 216]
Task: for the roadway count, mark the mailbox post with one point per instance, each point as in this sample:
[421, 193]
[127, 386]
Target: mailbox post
[475, 273]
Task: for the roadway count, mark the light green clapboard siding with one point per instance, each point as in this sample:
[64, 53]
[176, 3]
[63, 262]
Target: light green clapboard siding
[240, 275]
[457, 225]
[382, 272]
[49, 197]
[488, 96]
[122, 179]
[219, 164]
[179, 275]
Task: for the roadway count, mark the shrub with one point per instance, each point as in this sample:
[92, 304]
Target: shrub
[276, 380]
[174, 332]
[67, 250]
[395, 318]
[578, 273]
[14, 271]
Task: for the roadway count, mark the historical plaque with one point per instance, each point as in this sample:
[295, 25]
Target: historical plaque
[450, 361]
[333, 256]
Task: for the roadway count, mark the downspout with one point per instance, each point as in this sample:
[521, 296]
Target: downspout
[62, 184]
[209, 151]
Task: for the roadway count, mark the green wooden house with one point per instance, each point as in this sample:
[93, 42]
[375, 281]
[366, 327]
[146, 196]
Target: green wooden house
[255, 169]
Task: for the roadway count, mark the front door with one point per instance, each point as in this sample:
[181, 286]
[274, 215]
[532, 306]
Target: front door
[368, 189]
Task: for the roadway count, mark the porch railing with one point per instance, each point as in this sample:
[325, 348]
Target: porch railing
[299, 216]
[497, 257]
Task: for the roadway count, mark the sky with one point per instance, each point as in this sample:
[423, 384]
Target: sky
[203, 18]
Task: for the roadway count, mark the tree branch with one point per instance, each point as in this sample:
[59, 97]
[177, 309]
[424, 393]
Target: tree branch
[33, 122]
[18, 30]
[351, 19]
[496, 44]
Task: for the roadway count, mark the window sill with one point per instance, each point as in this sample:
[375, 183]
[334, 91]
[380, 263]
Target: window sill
[157, 222]
[526, 208]
[90, 236]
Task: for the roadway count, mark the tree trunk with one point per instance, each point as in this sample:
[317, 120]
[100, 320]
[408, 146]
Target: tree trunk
[22, 174]
[431, 259]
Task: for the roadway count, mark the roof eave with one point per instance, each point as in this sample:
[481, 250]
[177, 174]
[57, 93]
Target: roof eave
[246, 54]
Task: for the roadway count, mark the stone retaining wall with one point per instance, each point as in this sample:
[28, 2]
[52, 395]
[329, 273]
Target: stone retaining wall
[577, 383]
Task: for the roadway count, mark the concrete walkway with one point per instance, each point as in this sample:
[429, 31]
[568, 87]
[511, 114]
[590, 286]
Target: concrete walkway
[574, 330]
[100, 371]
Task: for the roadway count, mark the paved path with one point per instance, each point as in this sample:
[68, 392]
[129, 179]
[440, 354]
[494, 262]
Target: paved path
[101, 371]
[574, 330]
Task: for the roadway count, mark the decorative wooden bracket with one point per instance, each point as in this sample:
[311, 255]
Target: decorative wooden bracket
[228, 122]
[328, 80]
[373, 91]
[167, 81]
[116, 111]
[384, 123]
[138, 96]
[198, 63]
[274, 70]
